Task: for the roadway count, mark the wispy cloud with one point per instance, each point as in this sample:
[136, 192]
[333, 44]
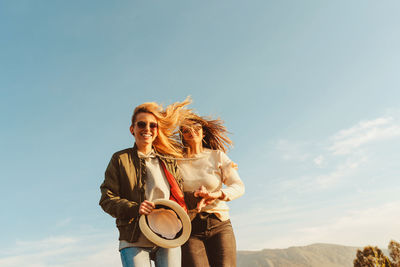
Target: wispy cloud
[374, 225]
[347, 140]
[358, 227]
[322, 186]
[46, 247]
[310, 181]
[327, 162]
[343, 170]
[57, 251]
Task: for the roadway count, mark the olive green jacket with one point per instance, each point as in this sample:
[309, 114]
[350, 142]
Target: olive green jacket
[124, 187]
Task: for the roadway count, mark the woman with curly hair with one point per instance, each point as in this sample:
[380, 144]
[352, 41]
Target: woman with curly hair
[135, 178]
[205, 170]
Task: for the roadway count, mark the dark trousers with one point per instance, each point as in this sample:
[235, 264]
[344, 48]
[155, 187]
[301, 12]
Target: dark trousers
[212, 243]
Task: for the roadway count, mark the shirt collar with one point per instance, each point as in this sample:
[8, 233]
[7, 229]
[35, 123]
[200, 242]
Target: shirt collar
[151, 154]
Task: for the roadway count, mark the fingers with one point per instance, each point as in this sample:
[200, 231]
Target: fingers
[206, 197]
[209, 201]
[211, 196]
[215, 195]
[204, 202]
[201, 204]
[146, 207]
[201, 192]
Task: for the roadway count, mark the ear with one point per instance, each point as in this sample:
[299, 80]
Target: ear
[131, 130]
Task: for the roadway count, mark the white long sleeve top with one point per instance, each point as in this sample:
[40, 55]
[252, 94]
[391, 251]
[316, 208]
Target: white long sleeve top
[212, 169]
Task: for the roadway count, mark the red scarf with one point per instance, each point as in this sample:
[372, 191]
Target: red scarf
[176, 192]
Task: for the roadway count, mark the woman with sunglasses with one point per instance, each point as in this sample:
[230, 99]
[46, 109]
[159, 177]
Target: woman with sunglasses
[205, 170]
[135, 177]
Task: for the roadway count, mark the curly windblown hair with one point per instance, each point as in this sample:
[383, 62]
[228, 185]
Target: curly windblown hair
[215, 133]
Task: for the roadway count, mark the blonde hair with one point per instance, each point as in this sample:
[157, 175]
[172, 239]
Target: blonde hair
[215, 133]
[167, 141]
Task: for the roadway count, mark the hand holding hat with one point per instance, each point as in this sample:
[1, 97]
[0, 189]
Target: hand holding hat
[164, 222]
[146, 207]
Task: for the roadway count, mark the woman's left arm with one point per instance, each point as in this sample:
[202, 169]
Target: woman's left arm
[230, 177]
[234, 186]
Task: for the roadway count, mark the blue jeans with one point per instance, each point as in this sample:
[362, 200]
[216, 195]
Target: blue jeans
[140, 257]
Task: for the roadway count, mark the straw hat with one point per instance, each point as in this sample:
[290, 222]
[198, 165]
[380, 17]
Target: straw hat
[167, 226]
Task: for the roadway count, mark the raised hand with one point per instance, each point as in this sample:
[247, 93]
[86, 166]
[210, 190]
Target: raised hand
[207, 197]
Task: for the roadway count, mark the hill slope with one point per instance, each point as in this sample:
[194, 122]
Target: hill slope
[316, 255]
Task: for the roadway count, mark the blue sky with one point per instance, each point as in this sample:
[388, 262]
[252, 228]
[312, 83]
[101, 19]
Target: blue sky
[309, 90]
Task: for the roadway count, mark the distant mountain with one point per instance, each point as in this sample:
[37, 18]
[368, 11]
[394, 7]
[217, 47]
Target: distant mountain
[316, 255]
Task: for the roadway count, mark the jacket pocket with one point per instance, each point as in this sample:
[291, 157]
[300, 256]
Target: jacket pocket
[122, 222]
[128, 230]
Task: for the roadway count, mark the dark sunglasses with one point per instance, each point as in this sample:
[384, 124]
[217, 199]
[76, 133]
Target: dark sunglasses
[193, 128]
[143, 124]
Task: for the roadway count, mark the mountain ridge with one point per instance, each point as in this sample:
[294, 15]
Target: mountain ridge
[314, 255]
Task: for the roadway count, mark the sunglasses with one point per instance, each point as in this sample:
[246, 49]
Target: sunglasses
[143, 124]
[194, 128]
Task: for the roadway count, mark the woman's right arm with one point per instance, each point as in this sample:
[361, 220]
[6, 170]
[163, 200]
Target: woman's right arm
[110, 200]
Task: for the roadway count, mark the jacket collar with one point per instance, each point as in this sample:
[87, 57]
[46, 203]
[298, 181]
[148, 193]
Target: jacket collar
[137, 153]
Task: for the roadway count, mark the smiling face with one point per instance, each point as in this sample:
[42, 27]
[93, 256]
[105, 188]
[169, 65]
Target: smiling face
[193, 135]
[145, 130]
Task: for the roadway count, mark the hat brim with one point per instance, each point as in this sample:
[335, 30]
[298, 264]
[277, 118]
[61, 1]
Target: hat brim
[163, 242]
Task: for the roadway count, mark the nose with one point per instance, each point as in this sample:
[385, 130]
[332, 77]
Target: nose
[190, 133]
[146, 128]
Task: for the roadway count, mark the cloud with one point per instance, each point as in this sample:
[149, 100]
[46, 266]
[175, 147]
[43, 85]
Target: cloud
[343, 170]
[375, 225]
[322, 185]
[371, 225]
[325, 163]
[83, 250]
[310, 181]
[346, 141]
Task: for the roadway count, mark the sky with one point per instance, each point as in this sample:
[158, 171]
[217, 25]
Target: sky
[308, 89]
